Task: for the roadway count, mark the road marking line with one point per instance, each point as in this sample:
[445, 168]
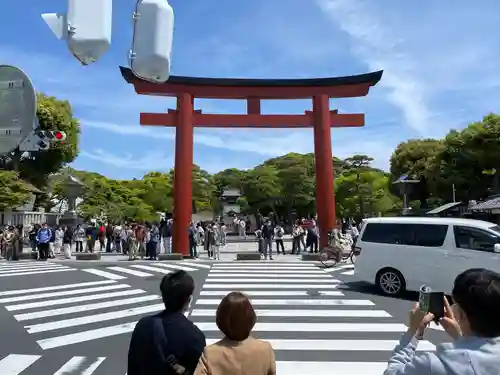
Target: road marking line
[64, 293]
[76, 364]
[314, 327]
[266, 286]
[56, 287]
[152, 269]
[89, 319]
[15, 364]
[223, 293]
[64, 301]
[131, 272]
[274, 275]
[37, 272]
[339, 345]
[78, 337]
[307, 313]
[296, 302]
[174, 266]
[337, 368]
[194, 264]
[107, 275]
[261, 270]
[271, 279]
[82, 308]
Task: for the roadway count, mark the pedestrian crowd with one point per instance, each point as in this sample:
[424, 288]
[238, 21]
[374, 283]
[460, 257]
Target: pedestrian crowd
[150, 239]
[169, 343]
[11, 242]
[132, 239]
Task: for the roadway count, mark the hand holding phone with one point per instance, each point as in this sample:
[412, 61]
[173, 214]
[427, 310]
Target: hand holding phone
[432, 302]
[449, 322]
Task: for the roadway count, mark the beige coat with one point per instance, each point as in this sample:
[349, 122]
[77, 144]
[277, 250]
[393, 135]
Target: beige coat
[226, 357]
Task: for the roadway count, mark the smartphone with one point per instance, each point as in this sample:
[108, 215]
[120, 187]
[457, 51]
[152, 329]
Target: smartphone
[431, 302]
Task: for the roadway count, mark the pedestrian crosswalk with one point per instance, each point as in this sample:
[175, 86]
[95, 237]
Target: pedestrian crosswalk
[63, 315]
[21, 364]
[30, 267]
[344, 269]
[146, 270]
[313, 327]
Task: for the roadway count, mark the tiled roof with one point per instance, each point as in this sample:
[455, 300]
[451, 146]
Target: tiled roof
[490, 204]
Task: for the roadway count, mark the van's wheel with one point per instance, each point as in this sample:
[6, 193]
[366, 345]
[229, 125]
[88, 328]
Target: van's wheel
[390, 281]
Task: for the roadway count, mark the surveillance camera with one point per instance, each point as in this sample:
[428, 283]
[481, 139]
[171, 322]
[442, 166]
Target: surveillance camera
[86, 27]
[150, 57]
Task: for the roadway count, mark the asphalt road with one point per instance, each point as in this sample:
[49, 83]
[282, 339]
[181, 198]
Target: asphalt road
[81, 319]
[78, 321]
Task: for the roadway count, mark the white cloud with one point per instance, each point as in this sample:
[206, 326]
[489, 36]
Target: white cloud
[149, 161]
[421, 62]
[281, 142]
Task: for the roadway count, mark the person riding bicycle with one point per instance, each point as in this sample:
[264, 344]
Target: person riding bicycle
[332, 245]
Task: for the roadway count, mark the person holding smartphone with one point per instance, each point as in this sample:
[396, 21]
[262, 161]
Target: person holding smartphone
[473, 322]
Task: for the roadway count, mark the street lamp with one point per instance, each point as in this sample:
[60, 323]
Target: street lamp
[404, 184]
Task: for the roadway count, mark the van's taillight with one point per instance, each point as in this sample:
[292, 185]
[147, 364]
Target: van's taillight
[357, 250]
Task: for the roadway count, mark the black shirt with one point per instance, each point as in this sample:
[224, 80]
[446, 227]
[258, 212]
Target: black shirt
[267, 232]
[160, 343]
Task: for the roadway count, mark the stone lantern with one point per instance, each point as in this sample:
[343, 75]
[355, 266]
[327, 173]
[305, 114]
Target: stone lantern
[73, 189]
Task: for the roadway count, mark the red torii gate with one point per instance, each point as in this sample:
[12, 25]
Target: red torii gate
[185, 118]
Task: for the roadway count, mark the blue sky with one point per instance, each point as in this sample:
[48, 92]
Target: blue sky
[441, 62]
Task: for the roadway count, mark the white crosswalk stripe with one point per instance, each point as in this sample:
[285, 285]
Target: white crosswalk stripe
[345, 268]
[19, 364]
[31, 267]
[312, 325]
[75, 313]
[146, 270]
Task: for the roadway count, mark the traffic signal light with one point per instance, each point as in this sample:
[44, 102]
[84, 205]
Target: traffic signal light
[85, 27]
[52, 135]
[150, 56]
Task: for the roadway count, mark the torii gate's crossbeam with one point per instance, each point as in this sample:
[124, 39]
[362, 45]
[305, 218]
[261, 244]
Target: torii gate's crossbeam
[185, 119]
[201, 120]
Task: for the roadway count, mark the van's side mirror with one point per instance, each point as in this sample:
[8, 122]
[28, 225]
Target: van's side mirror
[496, 248]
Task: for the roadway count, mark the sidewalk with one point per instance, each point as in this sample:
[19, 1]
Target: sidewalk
[227, 253]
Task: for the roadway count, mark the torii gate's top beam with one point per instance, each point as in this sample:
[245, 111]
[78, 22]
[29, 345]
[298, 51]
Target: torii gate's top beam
[232, 88]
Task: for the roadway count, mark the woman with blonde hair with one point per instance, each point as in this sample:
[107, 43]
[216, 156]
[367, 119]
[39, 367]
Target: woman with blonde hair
[237, 353]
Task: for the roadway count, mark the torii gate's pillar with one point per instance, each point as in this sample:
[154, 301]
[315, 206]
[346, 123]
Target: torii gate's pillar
[325, 193]
[183, 173]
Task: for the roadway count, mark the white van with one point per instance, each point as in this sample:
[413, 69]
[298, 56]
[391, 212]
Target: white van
[404, 253]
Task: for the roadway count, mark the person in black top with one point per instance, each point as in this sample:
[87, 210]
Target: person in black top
[167, 343]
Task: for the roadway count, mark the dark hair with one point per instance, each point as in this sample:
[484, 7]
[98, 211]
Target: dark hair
[176, 288]
[235, 316]
[477, 292]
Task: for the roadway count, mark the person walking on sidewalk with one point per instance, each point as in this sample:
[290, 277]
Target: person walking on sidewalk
[67, 242]
[279, 232]
[43, 238]
[79, 238]
[267, 235]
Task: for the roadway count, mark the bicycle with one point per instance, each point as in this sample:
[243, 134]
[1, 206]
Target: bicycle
[332, 254]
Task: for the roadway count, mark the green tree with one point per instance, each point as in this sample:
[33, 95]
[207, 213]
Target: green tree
[296, 178]
[36, 168]
[261, 187]
[52, 114]
[356, 166]
[419, 159]
[157, 191]
[13, 191]
[471, 160]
